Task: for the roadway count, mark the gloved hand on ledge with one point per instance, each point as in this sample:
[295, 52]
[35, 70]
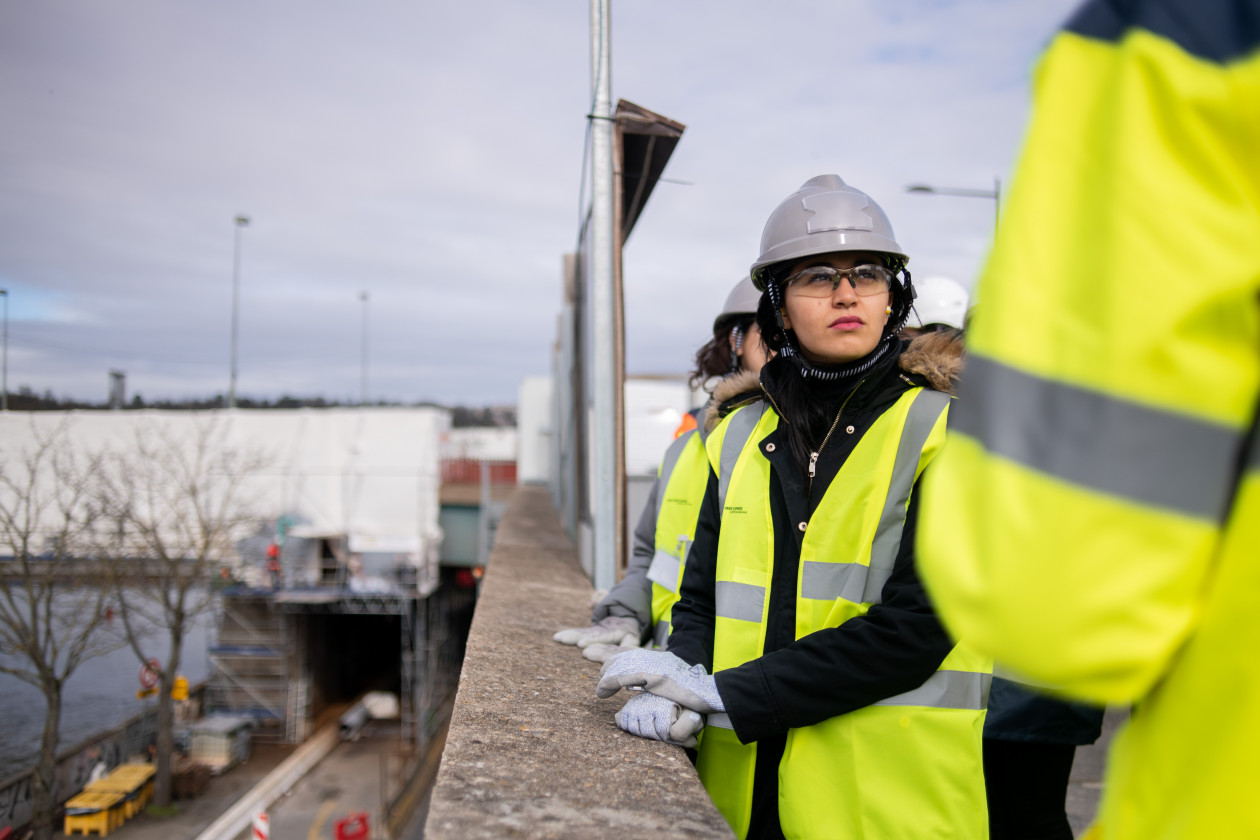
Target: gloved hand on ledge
[663, 674]
[660, 719]
[602, 653]
[613, 630]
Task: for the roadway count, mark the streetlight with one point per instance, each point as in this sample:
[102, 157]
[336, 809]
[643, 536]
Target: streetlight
[241, 221]
[995, 194]
[363, 296]
[4, 388]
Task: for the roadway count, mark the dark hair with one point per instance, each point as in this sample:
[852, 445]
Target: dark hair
[715, 357]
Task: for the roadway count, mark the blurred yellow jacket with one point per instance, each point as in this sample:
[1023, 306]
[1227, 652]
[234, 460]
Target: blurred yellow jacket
[1094, 520]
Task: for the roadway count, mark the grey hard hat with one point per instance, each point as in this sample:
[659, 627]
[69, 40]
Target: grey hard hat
[824, 215]
[742, 300]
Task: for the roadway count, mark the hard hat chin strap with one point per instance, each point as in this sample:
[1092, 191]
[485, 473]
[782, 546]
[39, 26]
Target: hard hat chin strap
[737, 341]
[834, 373]
[903, 305]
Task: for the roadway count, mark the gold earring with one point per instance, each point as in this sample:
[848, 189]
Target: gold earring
[887, 310]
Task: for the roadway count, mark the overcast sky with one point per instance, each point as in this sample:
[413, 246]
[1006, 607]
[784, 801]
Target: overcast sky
[430, 155]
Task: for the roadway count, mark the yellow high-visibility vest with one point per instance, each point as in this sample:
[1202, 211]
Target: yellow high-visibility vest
[684, 477]
[1094, 521]
[909, 766]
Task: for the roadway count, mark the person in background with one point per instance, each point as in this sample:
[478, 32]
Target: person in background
[1030, 741]
[1030, 738]
[837, 705]
[1093, 522]
[636, 610]
[941, 303]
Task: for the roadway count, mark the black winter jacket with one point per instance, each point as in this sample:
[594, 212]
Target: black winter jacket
[895, 647]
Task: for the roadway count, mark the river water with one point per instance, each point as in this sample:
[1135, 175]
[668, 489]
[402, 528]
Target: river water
[100, 695]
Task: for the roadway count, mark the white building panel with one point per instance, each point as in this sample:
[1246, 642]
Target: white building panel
[369, 474]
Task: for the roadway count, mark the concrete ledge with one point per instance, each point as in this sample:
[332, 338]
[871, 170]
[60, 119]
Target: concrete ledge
[531, 751]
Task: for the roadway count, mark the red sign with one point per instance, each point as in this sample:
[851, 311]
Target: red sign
[149, 673]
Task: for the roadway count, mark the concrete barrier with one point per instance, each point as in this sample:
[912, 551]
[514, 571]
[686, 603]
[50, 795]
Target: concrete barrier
[241, 813]
[531, 752]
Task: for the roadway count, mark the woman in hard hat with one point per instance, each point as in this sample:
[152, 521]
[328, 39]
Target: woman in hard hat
[636, 610]
[837, 706]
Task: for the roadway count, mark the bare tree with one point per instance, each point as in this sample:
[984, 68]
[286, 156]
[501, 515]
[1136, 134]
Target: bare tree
[175, 504]
[51, 615]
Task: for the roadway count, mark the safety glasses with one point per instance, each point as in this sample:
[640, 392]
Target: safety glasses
[823, 280]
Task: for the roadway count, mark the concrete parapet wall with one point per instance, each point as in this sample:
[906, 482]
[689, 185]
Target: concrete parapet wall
[532, 752]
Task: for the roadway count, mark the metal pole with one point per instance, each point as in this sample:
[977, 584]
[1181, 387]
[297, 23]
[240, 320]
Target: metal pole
[241, 221]
[4, 388]
[603, 432]
[964, 192]
[997, 203]
[363, 356]
[483, 517]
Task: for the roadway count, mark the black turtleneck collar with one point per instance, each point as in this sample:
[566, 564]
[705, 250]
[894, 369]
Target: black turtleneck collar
[809, 405]
[828, 392]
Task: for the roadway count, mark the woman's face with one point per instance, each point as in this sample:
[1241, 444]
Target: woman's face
[752, 353]
[840, 325]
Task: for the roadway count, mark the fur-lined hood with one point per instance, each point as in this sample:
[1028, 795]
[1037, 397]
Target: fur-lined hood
[936, 356]
[728, 388]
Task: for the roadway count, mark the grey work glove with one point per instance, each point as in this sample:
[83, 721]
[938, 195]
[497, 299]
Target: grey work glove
[660, 719]
[613, 630]
[663, 674]
[602, 653]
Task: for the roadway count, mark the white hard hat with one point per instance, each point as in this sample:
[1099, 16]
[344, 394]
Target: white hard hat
[940, 301]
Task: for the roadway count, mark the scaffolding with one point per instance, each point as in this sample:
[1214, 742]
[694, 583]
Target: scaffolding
[250, 660]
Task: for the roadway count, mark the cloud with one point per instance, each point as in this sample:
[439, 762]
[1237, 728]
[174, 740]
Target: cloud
[431, 154]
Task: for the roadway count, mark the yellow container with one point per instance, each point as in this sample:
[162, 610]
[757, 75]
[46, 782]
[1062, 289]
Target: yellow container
[133, 781]
[94, 811]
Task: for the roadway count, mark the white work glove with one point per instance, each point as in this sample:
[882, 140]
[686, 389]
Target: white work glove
[649, 716]
[663, 674]
[602, 653]
[612, 630]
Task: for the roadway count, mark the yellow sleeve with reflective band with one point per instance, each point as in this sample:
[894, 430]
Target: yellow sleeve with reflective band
[1070, 524]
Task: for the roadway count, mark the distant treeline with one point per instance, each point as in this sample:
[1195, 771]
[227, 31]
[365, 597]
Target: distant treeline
[461, 416]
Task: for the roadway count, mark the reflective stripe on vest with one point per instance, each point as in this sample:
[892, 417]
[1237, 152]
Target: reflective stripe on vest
[683, 480]
[919, 751]
[944, 690]
[947, 690]
[919, 423]
[660, 634]
[665, 567]
[1098, 441]
[665, 573]
[734, 437]
[739, 601]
